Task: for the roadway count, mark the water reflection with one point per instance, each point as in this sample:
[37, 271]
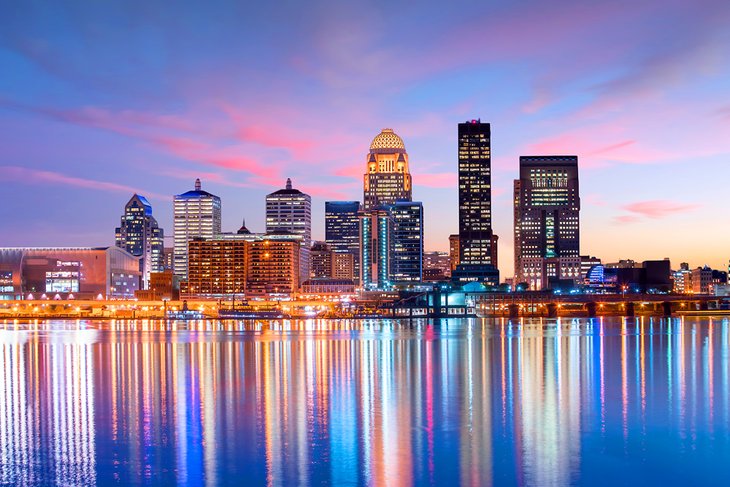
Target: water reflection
[471, 401]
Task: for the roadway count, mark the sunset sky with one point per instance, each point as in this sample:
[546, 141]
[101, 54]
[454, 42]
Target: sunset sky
[98, 101]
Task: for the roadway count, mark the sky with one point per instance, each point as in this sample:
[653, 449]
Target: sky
[99, 100]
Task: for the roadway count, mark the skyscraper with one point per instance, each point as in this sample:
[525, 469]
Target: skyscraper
[289, 210]
[342, 229]
[477, 243]
[406, 257]
[197, 213]
[140, 235]
[376, 230]
[387, 179]
[547, 224]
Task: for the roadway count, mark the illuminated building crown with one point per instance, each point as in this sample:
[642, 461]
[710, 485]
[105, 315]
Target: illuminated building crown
[387, 141]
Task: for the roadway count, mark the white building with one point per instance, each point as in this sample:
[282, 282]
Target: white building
[290, 211]
[197, 213]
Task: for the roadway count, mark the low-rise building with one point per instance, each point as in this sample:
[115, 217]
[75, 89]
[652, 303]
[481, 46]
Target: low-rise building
[68, 273]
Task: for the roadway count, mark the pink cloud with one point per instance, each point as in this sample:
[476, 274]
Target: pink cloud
[658, 208]
[34, 176]
[626, 219]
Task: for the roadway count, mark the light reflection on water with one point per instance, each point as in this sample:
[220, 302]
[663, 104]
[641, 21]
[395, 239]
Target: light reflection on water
[592, 402]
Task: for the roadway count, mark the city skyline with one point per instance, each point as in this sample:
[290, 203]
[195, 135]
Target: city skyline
[645, 117]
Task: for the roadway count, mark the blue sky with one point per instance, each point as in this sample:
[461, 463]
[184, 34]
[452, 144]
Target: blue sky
[98, 100]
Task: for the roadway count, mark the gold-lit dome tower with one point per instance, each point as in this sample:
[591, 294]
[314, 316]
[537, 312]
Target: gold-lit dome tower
[387, 179]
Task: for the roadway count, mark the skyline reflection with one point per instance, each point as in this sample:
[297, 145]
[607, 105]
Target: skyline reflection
[539, 402]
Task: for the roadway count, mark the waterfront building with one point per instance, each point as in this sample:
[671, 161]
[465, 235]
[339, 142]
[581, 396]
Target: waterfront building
[274, 266]
[140, 235]
[376, 229]
[243, 263]
[406, 253]
[342, 230]
[387, 179]
[586, 263]
[197, 213]
[68, 273]
[163, 285]
[701, 280]
[682, 279]
[289, 210]
[328, 285]
[546, 221]
[216, 267]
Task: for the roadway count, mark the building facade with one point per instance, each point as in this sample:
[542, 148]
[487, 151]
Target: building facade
[387, 179]
[477, 244]
[475, 194]
[68, 273]
[197, 213]
[546, 218]
[406, 254]
[140, 235]
[454, 251]
[243, 264]
[376, 229]
[342, 230]
[216, 267]
[320, 260]
[289, 210]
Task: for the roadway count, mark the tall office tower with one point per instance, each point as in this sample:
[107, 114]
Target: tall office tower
[477, 244]
[547, 226]
[387, 179]
[342, 229]
[289, 210]
[197, 213]
[406, 257]
[140, 235]
[376, 230]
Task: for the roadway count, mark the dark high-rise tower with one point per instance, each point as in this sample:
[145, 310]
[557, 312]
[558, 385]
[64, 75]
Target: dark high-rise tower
[140, 235]
[477, 243]
[406, 259]
[547, 225]
[342, 229]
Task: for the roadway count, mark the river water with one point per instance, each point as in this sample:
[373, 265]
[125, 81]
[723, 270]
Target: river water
[467, 401]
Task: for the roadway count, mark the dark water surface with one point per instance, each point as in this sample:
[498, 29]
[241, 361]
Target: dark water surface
[539, 402]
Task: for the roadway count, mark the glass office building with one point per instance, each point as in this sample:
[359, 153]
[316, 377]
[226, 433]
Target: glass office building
[406, 258]
[140, 235]
[342, 229]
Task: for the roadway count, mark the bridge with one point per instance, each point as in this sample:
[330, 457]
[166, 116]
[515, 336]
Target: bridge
[444, 304]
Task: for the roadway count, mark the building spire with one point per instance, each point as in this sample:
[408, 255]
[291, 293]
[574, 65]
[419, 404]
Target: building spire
[197, 184]
[288, 183]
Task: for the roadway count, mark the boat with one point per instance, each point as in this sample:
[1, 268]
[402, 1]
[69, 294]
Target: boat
[240, 314]
[186, 314]
[245, 311]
